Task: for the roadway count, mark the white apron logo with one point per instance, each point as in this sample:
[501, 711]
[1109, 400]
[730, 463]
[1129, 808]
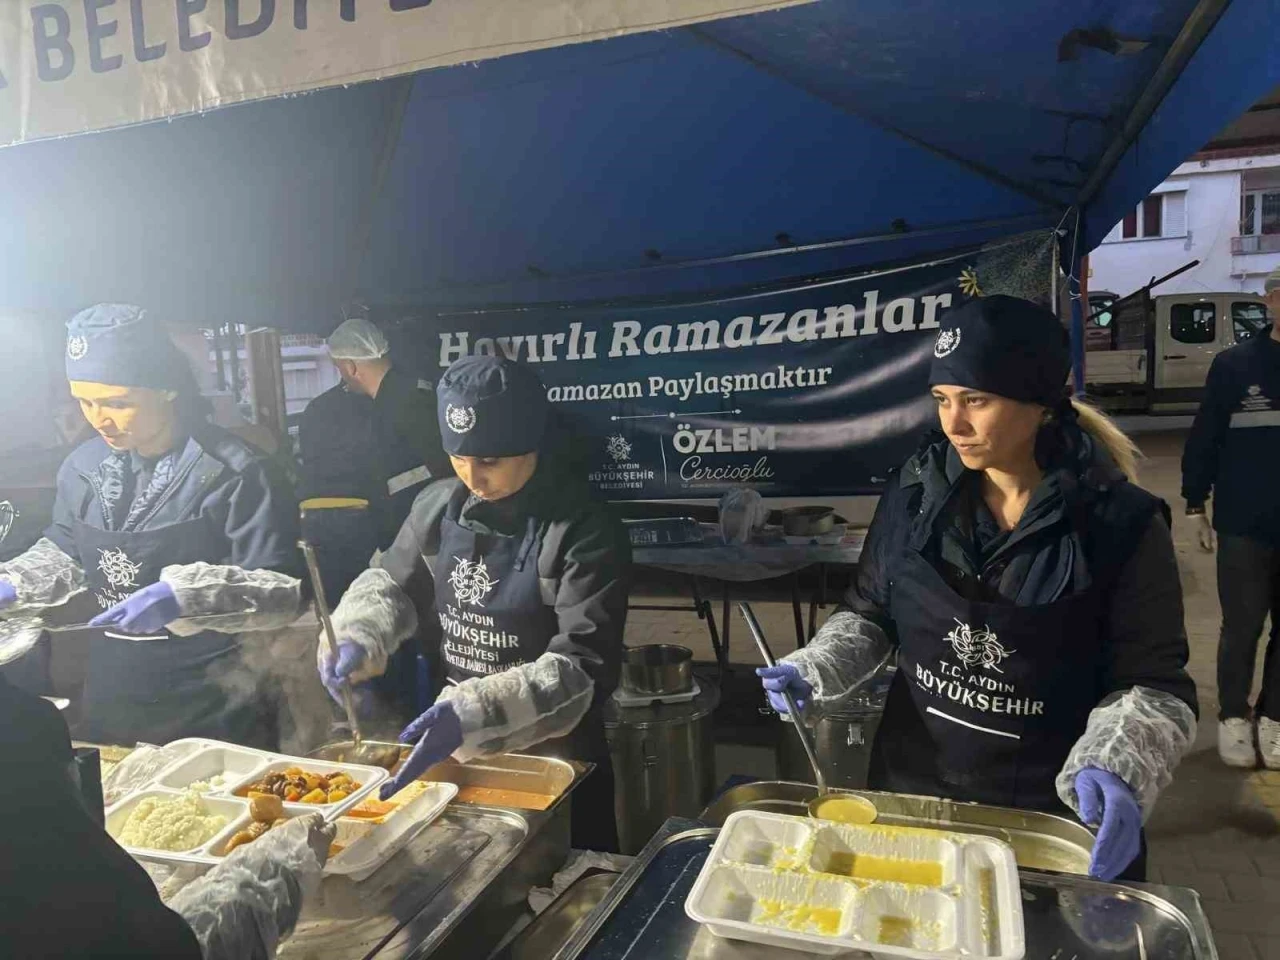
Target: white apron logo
[460, 419]
[946, 344]
[77, 347]
[119, 570]
[470, 582]
[618, 448]
[977, 648]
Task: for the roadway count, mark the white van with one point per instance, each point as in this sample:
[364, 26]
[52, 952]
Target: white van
[1153, 353]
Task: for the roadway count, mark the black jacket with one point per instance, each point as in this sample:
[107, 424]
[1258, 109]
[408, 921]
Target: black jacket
[220, 477]
[66, 888]
[335, 445]
[1084, 524]
[584, 562]
[1234, 446]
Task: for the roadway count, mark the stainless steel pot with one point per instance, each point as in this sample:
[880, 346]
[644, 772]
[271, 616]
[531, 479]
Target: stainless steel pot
[659, 669]
[811, 521]
[842, 742]
[664, 763]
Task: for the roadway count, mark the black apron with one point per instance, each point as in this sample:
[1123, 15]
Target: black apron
[163, 687]
[493, 617]
[989, 698]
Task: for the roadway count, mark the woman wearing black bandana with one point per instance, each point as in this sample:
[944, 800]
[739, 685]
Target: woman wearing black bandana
[167, 521]
[1029, 592]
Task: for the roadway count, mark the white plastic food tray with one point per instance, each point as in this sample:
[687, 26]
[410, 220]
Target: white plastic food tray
[239, 767]
[785, 882]
[367, 845]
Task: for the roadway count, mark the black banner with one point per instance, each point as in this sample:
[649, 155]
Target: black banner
[813, 390]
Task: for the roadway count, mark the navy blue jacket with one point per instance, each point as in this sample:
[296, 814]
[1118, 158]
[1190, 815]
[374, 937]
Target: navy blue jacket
[1234, 447]
[1085, 524]
[234, 485]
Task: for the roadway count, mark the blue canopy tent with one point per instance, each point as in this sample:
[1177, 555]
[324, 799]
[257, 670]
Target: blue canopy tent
[742, 153]
[815, 138]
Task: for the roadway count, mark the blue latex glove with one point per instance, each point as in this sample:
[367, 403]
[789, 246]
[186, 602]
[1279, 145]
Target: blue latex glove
[336, 673]
[784, 676]
[441, 734]
[1107, 800]
[8, 594]
[146, 611]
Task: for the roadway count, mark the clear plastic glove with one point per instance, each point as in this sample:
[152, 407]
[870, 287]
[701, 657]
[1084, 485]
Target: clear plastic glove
[248, 903]
[1105, 799]
[146, 611]
[440, 731]
[8, 594]
[1204, 533]
[784, 676]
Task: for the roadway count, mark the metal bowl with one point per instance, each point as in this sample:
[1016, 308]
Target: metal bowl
[658, 670]
[811, 521]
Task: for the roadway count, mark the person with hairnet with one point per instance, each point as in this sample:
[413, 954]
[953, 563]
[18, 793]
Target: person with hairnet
[183, 534]
[523, 578]
[1027, 589]
[67, 889]
[1229, 453]
[406, 436]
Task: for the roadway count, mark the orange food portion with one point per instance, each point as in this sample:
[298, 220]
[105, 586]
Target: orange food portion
[494, 797]
[295, 785]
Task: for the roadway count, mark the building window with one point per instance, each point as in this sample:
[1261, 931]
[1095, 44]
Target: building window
[1260, 213]
[1192, 322]
[1159, 215]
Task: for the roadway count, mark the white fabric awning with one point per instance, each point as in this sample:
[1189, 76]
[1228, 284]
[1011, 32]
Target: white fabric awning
[80, 65]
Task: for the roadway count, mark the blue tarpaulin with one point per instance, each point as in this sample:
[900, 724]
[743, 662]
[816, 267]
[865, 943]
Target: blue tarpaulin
[802, 142]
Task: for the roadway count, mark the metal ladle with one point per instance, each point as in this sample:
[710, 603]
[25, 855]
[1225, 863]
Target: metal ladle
[358, 750]
[796, 720]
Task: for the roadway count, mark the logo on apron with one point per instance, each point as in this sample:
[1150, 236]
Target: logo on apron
[977, 648]
[119, 570]
[471, 582]
[460, 419]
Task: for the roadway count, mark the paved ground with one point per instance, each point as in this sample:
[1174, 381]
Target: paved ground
[1215, 830]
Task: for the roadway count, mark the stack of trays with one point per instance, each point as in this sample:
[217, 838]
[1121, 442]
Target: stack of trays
[831, 888]
[232, 770]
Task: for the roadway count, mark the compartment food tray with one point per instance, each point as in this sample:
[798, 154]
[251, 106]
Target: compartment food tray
[239, 767]
[831, 888]
[368, 845]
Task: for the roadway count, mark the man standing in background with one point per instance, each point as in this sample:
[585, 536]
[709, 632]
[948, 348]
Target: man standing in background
[406, 434]
[1234, 451]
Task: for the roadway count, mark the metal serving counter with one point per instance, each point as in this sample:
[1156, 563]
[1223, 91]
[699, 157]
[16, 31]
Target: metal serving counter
[459, 886]
[1067, 918]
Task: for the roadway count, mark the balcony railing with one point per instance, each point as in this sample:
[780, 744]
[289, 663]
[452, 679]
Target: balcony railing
[1258, 243]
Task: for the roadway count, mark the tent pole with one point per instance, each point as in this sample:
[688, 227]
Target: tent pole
[1075, 287]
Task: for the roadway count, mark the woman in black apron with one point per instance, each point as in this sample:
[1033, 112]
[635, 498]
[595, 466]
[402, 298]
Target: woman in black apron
[1029, 592]
[522, 579]
[166, 521]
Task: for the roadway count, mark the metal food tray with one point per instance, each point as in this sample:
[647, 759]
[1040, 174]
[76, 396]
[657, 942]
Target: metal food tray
[453, 890]
[664, 532]
[240, 767]
[1040, 841]
[1065, 918]
[829, 888]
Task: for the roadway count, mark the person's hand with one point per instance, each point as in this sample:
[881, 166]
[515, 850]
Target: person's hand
[8, 594]
[335, 672]
[440, 731]
[146, 611]
[784, 676]
[1204, 533]
[1107, 800]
